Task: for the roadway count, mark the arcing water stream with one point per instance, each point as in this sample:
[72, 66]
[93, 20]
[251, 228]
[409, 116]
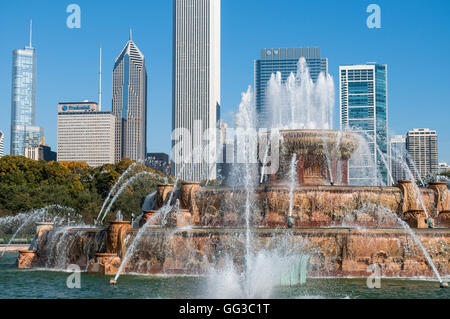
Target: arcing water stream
[115, 186]
[35, 215]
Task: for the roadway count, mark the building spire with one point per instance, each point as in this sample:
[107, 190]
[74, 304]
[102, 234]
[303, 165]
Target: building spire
[31, 31]
[130, 35]
[100, 81]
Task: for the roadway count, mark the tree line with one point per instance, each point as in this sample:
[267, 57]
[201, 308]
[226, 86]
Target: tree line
[26, 185]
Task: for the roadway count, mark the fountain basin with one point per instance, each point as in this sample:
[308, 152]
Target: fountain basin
[337, 252]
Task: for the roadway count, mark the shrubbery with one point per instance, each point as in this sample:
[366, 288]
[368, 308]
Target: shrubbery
[26, 185]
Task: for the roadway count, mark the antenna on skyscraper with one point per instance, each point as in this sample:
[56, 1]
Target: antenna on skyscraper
[130, 34]
[100, 81]
[31, 31]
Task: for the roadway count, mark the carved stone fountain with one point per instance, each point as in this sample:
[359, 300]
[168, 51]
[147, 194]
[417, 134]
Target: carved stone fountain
[344, 229]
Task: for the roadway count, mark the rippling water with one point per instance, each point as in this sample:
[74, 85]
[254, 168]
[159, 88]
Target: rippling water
[16, 283]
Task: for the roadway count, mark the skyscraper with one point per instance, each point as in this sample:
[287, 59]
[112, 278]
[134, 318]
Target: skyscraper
[85, 134]
[399, 158]
[129, 103]
[422, 145]
[364, 109]
[2, 144]
[285, 61]
[24, 132]
[196, 87]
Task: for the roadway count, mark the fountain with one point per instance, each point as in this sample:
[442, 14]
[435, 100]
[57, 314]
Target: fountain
[257, 233]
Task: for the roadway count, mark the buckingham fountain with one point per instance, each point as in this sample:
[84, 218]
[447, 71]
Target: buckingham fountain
[259, 232]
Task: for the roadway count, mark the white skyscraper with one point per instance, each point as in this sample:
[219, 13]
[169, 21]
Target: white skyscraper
[85, 134]
[196, 87]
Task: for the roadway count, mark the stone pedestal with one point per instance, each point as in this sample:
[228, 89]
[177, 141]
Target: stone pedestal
[442, 196]
[301, 169]
[444, 219]
[115, 236]
[184, 218]
[334, 171]
[187, 194]
[410, 197]
[149, 218]
[273, 179]
[163, 193]
[43, 227]
[25, 259]
[187, 200]
[344, 172]
[416, 219]
[105, 264]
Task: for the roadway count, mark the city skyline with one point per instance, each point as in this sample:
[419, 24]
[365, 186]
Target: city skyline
[233, 82]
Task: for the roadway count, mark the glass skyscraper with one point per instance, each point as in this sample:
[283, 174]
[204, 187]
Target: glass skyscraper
[129, 103]
[285, 61]
[364, 109]
[24, 132]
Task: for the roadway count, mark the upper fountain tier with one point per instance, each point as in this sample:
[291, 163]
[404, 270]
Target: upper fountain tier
[322, 155]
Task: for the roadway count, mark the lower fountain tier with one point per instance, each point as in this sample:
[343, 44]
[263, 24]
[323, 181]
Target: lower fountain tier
[336, 252]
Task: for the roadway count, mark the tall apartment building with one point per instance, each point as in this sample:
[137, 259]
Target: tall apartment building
[129, 103]
[422, 145]
[285, 61]
[364, 109]
[24, 132]
[2, 144]
[399, 158]
[196, 86]
[85, 134]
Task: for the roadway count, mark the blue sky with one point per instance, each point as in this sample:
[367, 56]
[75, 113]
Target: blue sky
[414, 41]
